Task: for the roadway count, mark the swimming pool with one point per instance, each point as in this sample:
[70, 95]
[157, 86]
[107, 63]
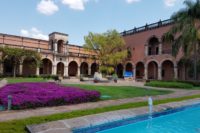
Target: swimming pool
[181, 120]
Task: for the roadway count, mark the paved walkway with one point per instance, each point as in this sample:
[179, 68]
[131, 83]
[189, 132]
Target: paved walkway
[21, 114]
[121, 82]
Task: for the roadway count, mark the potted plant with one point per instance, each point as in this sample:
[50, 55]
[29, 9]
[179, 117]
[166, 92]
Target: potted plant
[115, 77]
[96, 80]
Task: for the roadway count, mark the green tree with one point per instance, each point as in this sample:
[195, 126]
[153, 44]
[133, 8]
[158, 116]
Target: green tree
[16, 54]
[109, 47]
[185, 32]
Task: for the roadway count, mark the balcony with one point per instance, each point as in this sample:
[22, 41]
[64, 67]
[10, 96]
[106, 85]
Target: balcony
[49, 51]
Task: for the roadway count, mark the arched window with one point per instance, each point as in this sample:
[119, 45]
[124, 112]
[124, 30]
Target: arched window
[60, 46]
[153, 46]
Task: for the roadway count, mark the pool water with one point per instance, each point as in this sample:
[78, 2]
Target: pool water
[186, 121]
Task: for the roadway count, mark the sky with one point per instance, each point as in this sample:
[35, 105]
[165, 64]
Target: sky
[39, 18]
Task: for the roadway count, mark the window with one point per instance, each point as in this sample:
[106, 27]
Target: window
[149, 52]
[129, 54]
[157, 50]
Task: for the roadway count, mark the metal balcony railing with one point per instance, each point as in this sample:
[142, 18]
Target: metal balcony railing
[148, 27]
[49, 51]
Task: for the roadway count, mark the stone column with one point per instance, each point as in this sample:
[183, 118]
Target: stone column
[55, 46]
[146, 72]
[146, 49]
[159, 72]
[79, 72]
[160, 49]
[20, 68]
[89, 70]
[1, 68]
[134, 73]
[66, 71]
[175, 72]
[54, 71]
[38, 71]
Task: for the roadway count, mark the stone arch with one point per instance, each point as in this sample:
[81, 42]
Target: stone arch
[120, 70]
[129, 67]
[167, 70]
[8, 67]
[46, 66]
[29, 67]
[140, 70]
[94, 68]
[152, 60]
[60, 69]
[152, 70]
[153, 45]
[73, 68]
[84, 69]
[60, 46]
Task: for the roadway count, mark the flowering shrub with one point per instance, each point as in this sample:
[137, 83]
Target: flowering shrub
[32, 95]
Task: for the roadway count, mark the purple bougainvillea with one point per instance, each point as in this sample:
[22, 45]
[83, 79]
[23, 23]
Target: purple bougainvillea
[32, 95]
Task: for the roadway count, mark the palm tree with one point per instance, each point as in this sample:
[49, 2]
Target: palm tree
[185, 33]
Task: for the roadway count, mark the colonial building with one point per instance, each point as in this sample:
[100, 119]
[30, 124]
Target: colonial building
[149, 56]
[58, 57]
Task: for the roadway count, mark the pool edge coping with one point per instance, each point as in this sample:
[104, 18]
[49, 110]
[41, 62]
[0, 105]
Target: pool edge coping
[88, 121]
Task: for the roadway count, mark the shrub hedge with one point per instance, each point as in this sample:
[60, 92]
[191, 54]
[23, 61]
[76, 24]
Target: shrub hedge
[170, 84]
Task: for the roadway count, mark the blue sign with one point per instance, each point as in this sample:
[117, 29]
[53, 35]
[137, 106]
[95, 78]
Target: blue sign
[128, 74]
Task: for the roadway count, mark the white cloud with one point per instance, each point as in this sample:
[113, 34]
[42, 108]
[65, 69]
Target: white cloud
[33, 33]
[75, 4]
[24, 32]
[170, 3]
[47, 7]
[132, 1]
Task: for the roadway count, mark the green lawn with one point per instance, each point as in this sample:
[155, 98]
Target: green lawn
[18, 80]
[119, 92]
[170, 84]
[18, 126]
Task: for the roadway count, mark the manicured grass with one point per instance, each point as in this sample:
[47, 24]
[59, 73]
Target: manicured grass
[18, 126]
[119, 92]
[18, 80]
[172, 84]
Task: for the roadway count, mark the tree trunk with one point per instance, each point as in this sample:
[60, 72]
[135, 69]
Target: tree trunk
[115, 67]
[14, 68]
[195, 61]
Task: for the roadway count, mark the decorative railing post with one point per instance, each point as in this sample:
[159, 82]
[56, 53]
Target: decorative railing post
[9, 102]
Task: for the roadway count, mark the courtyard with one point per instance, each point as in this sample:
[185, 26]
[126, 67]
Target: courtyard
[123, 95]
[104, 76]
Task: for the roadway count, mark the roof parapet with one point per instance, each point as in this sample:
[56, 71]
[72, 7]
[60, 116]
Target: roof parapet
[148, 27]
